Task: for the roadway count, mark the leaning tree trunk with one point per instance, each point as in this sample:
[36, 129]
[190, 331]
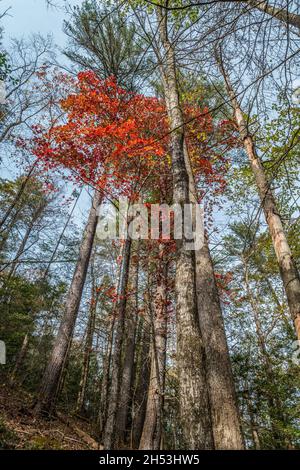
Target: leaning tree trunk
[287, 266]
[152, 430]
[20, 359]
[53, 371]
[129, 350]
[224, 408]
[253, 424]
[110, 425]
[21, 249]
[274, 404]
[104, 387]
[193, 390]
[87, 353]
[282, 14]
[142, 377]
[18, 195]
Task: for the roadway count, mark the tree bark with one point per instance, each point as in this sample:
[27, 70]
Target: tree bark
[87, 353]
[253, 425]
[152, 430]
[46, 398]
[224, 408]
[20, 251]
[287, 266]
[193, 390]
[142, 373]
[20, 359]
[110, 425]
[129, 350]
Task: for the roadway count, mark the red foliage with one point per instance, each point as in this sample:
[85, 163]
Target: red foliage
[110, 135]
[119, 140]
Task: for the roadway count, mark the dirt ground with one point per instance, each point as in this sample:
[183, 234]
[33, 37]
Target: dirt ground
[20, 429]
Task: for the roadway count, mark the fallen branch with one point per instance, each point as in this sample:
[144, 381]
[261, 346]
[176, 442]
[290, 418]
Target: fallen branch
[84, 436]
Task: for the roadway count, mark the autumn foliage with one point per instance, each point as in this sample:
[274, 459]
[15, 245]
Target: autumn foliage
[114, 139]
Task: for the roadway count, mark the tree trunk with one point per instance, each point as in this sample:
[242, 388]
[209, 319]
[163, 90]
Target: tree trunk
[87, 353]
[129, 350]
[104, 389]
[152, 430]
[224, 408]
[24, 241]
[274, 405]
[193, 390]
[142, 372]
[57, 358]
[105, 381]
[18, 195]
[288, 269]
[281, 14]
[110, 425]
[20, 359]
[253, 425]
[60, 237]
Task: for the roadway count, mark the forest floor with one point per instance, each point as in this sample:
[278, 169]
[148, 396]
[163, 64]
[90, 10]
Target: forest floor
[20, 429]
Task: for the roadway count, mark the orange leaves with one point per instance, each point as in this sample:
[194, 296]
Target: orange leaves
[110, 135]
[107, 131]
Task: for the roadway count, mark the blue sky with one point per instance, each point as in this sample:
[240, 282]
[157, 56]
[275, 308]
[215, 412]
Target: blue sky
[24, 18]
[32, 16]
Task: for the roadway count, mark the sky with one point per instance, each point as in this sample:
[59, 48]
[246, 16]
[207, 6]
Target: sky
[26, 17]
[33, 16]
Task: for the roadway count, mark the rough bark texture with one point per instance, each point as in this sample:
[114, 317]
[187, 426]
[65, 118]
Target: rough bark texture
[129, 349]
[224, 408]
[104, 389]
[110, 425]
[152, 429]
[58, 355]
[142, 377]
[87, 354]
[193, 390]
[105, 381]
[274, 404]
[288, 269]
[20, 359]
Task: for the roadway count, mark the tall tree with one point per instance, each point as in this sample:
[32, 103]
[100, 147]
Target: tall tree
[129, 348]
[105, 36]
[103, 40]
[53, 371]
[194, 399]
[287, 266]
[89, 335]
[153, 424]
